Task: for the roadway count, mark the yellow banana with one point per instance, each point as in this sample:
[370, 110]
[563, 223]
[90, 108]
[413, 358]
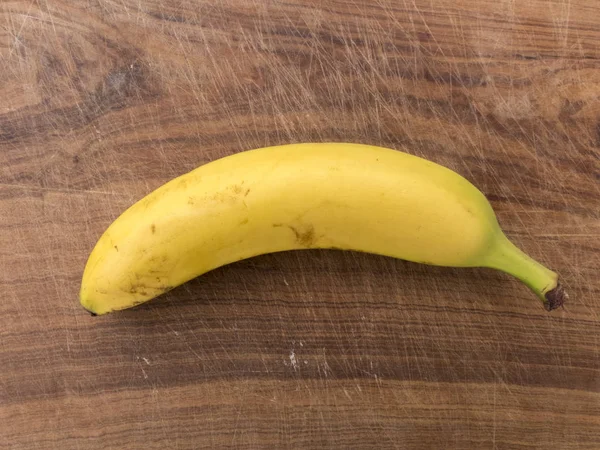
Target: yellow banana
[300, 196]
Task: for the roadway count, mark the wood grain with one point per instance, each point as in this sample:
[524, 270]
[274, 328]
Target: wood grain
[104, 100]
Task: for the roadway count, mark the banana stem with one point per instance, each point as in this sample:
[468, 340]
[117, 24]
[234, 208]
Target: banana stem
[510, 259]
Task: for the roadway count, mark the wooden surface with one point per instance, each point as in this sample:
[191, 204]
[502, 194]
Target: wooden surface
[102, 101]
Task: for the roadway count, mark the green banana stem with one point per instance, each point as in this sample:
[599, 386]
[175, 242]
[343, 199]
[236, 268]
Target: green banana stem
[508, 258]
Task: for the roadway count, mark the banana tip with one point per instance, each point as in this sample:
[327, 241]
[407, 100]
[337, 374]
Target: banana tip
[92, 313]
[555, 298]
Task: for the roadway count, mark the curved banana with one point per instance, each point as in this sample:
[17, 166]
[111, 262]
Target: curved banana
[332, 195]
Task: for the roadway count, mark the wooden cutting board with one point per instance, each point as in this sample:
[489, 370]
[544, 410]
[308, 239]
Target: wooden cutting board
[101, 101]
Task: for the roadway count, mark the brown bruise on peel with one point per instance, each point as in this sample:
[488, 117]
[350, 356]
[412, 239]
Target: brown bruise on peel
[133, 304]
[228, 195]
[153, 228]
[141, 289]
[138, 290]
[305, 238]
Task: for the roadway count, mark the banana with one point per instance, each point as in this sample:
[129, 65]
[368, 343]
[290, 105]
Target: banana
[301, 196]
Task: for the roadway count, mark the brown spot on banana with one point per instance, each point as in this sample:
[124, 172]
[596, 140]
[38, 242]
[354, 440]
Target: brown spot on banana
[305, 237]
